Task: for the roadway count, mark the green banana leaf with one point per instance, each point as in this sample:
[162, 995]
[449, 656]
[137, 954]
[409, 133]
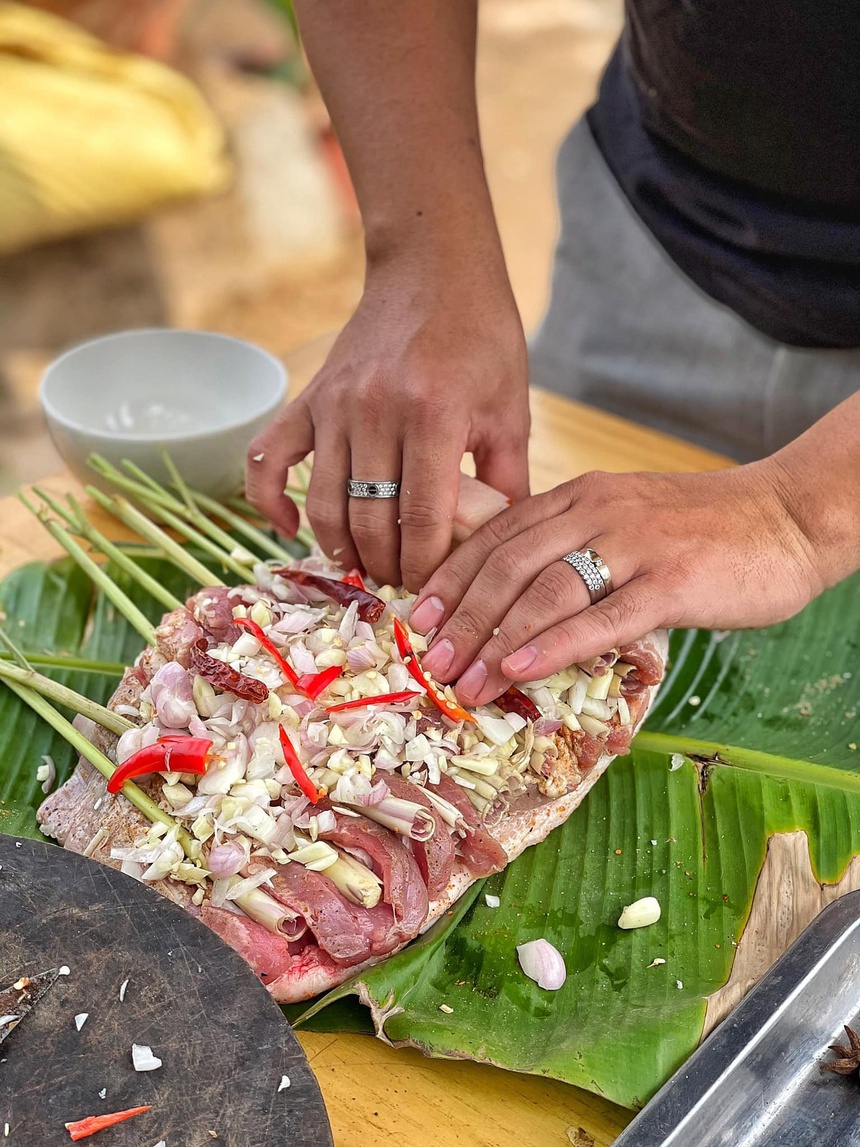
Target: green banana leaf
[754, 734]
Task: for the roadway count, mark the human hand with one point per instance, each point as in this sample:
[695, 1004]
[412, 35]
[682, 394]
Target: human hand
[719, 550]
[431, 366]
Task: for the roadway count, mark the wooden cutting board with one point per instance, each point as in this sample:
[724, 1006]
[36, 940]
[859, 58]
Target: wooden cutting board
[224, 1042]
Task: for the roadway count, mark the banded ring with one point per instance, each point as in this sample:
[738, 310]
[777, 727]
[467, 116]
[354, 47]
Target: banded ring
[359, 489]
[594, 572]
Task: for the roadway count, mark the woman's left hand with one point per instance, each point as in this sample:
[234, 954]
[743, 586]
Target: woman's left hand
[720, 550]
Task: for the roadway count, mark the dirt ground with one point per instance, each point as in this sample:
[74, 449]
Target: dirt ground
[278, 259]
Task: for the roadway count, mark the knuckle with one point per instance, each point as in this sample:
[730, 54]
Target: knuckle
[553, 588]
[324, 519]
[504, 565]
[617, 611]
[467, 623]
[420, 516]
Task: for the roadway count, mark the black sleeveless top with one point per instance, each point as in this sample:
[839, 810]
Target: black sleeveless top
[733, 126]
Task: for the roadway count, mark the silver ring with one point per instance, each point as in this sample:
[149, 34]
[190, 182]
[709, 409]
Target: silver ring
[358, 489]
[594, 572]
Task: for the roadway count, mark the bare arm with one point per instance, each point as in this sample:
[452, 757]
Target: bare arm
[433, 362]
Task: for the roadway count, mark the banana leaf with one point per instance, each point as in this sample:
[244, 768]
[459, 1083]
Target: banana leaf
[754, 735]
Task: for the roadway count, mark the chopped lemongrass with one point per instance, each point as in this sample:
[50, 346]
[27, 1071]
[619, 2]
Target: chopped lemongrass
[486, 766]
[355, 881]
[446, 1009]
[593, 726]
[598, 687]
[400, 816]
[593, 708]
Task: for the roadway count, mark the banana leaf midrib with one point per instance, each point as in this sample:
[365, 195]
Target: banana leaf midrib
[738, 757]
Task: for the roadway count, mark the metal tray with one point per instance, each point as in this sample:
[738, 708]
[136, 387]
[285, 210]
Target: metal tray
[755, 1081]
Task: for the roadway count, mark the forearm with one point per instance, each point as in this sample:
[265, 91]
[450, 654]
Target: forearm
[399, 82]
[819, 474]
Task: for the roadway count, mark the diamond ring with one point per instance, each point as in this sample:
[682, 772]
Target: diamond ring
[594, 572]
[359, 489]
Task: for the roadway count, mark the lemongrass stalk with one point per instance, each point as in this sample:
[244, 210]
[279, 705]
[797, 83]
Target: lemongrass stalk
[160, 500]
[66, 697]
[238, 523]
[95, 572]
[130, 485]
[99, 761]
[77, 519]
[121, 508]
[185, 509]
[179, 482]
[15, 653]
[193, 535]
[61, 661]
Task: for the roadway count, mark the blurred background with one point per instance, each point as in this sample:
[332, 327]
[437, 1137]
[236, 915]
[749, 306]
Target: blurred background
[127, 201]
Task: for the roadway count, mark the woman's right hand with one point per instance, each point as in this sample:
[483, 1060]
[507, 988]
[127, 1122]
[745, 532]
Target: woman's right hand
[431, 365]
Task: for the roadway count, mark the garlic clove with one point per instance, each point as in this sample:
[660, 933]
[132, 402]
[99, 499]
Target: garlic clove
[640, 914]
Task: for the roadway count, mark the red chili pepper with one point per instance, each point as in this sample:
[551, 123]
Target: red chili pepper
[225, 676]
[168, 755]
[297, 768]
[83, 1128]
[312, 684]
[270, 647]
[381, 699]
[370, 607]
[514, 701]
[410, 660]
[354, 578]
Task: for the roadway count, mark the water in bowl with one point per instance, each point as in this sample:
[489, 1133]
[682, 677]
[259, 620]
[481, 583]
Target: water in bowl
[149, 418]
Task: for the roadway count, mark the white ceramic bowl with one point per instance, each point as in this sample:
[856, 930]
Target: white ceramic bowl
[200, 396]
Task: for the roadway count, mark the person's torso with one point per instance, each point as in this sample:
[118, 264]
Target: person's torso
[733, 126]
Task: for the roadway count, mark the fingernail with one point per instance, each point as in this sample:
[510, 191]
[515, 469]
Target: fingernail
[438, 660]
[427, 614]
[473, 680]
[519, 661]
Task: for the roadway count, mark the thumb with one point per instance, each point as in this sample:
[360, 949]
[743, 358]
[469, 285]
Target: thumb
[282, 444]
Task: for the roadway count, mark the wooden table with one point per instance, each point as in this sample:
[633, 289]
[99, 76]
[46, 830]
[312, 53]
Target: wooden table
[375, 1094]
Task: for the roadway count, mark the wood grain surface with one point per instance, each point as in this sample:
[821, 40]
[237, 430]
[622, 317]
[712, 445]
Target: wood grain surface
[376, 1095]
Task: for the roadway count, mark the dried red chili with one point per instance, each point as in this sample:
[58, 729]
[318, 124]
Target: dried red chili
[354, 578]
[226, 677]
[370, 608]
[410, 659]
[514, 701]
